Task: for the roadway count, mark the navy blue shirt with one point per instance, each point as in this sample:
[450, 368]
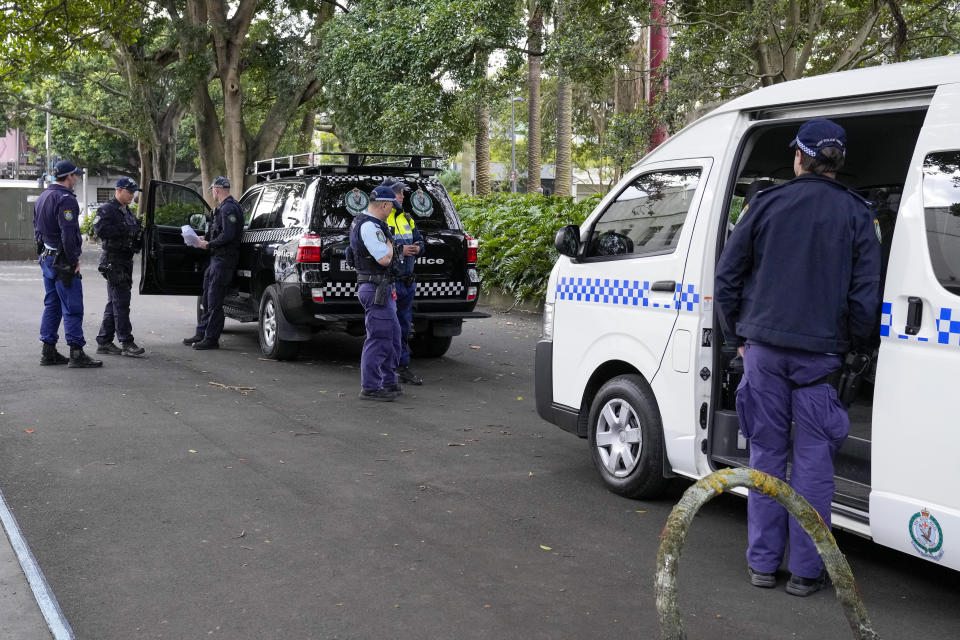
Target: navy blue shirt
[227, 227]
[56, 221]
[802, 269]
[117, 228]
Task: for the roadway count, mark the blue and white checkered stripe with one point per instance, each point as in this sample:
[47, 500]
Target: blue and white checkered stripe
[631, 293]
[948, 326]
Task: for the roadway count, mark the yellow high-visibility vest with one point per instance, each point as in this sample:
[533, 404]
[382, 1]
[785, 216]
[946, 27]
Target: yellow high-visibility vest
[401, 225]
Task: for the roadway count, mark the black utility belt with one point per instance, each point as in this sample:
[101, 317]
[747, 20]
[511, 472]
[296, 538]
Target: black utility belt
[46, 253]
[375, 279]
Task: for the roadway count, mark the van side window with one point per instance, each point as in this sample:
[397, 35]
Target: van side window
[646, 219]
[941, 210]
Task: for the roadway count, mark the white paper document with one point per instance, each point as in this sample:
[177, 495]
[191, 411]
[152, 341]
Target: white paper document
[190, 236]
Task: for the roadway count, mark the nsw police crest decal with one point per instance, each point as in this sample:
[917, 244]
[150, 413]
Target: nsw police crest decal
[67, 215]
[356, 202]
[926, 535]
[421, 203]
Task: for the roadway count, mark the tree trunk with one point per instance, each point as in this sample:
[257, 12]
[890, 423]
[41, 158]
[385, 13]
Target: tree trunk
[146, 169]
[534, 43]
[466, 169]
[483, 150]
[562, 180]
[307, 128]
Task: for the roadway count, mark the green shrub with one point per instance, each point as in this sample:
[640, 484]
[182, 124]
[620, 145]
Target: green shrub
[516, 233]
[86, 227]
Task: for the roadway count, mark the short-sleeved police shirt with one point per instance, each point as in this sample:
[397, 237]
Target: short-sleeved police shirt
[374, 240]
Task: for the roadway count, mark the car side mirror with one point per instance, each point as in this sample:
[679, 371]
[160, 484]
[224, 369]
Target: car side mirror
[568, 241]
[198, 221]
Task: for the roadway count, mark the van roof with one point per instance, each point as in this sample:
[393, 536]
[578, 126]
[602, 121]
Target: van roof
[887, 78]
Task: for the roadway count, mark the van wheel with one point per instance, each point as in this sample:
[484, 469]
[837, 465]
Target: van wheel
[427, 345]
[626, 438]
[269, 324]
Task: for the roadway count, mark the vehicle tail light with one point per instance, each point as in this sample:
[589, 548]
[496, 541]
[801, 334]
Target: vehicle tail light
[471, 293]
[310, 249]
[472, 245]
[317, 295]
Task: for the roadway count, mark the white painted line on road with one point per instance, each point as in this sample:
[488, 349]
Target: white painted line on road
[49, 606]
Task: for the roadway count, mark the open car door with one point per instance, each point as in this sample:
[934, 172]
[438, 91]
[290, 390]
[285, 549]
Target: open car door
[170, 266]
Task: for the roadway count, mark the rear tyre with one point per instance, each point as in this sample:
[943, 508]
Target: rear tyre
[427, 345]
[269, 328]
[626, 438]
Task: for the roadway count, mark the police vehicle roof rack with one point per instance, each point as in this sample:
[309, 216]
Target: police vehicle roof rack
[351, 163]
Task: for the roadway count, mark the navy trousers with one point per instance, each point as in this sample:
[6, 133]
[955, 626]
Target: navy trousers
[61, 302]
[216, 282]
[116, 315]
[770, 397]
[381, 349]
[405, 294]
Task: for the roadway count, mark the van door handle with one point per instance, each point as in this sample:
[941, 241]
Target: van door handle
[914, 316]
[664, 285]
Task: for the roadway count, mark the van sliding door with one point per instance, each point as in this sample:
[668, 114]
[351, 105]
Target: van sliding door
[914, 504]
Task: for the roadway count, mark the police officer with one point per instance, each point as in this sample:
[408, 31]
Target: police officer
[224, 247]
[798, 282]
[371, 243]
[59, 241]
[408, 243]
[120, 234]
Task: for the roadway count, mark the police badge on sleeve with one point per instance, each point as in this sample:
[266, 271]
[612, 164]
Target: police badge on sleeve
[68, 214]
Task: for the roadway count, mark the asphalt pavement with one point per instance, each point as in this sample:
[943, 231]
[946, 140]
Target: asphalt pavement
[191, 494]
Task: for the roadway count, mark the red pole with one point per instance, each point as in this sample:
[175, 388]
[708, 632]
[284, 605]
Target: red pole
[659, 45]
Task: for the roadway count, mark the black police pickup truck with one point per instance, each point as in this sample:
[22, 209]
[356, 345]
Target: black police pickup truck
[292, 277]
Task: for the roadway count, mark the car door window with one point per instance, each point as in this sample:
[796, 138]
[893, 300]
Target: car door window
[291, 215]
[941, 211]
[266, 215]
[247, 204]
[647, 217]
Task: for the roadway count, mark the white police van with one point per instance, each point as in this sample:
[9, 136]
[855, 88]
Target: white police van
[632, 357]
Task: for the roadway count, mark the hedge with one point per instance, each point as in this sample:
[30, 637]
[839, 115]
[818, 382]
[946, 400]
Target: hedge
[516, 233]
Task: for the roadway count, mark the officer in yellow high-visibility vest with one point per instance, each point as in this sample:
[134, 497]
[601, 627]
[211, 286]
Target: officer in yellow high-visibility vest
[409, 244]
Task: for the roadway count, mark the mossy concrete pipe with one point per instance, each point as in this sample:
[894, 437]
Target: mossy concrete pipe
[675, 533]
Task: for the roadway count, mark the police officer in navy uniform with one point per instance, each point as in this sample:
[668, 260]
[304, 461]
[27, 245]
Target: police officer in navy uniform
[120, 234]
[224, 246]
[798, 285]
[371, 243]
[59, 241]
[408, 243]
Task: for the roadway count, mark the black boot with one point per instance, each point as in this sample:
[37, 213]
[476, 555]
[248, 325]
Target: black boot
[108, 348]
[131, 348]
[192, 339]
[79, 359]
[50, 355]
[205, 344]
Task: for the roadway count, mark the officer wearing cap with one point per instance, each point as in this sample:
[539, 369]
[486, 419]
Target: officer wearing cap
[224, 247]
[120, 234]
[408, 242]
[371, 243]
[797, 286]
[59, 241]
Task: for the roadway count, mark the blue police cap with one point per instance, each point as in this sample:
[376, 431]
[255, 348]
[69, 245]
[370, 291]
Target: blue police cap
[384, 193]
[396, 185]
[818, 134]
[220, 183]
[128, 184]
[65, 168]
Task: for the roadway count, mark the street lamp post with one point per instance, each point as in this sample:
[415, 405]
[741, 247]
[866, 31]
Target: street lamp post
[513, 144]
